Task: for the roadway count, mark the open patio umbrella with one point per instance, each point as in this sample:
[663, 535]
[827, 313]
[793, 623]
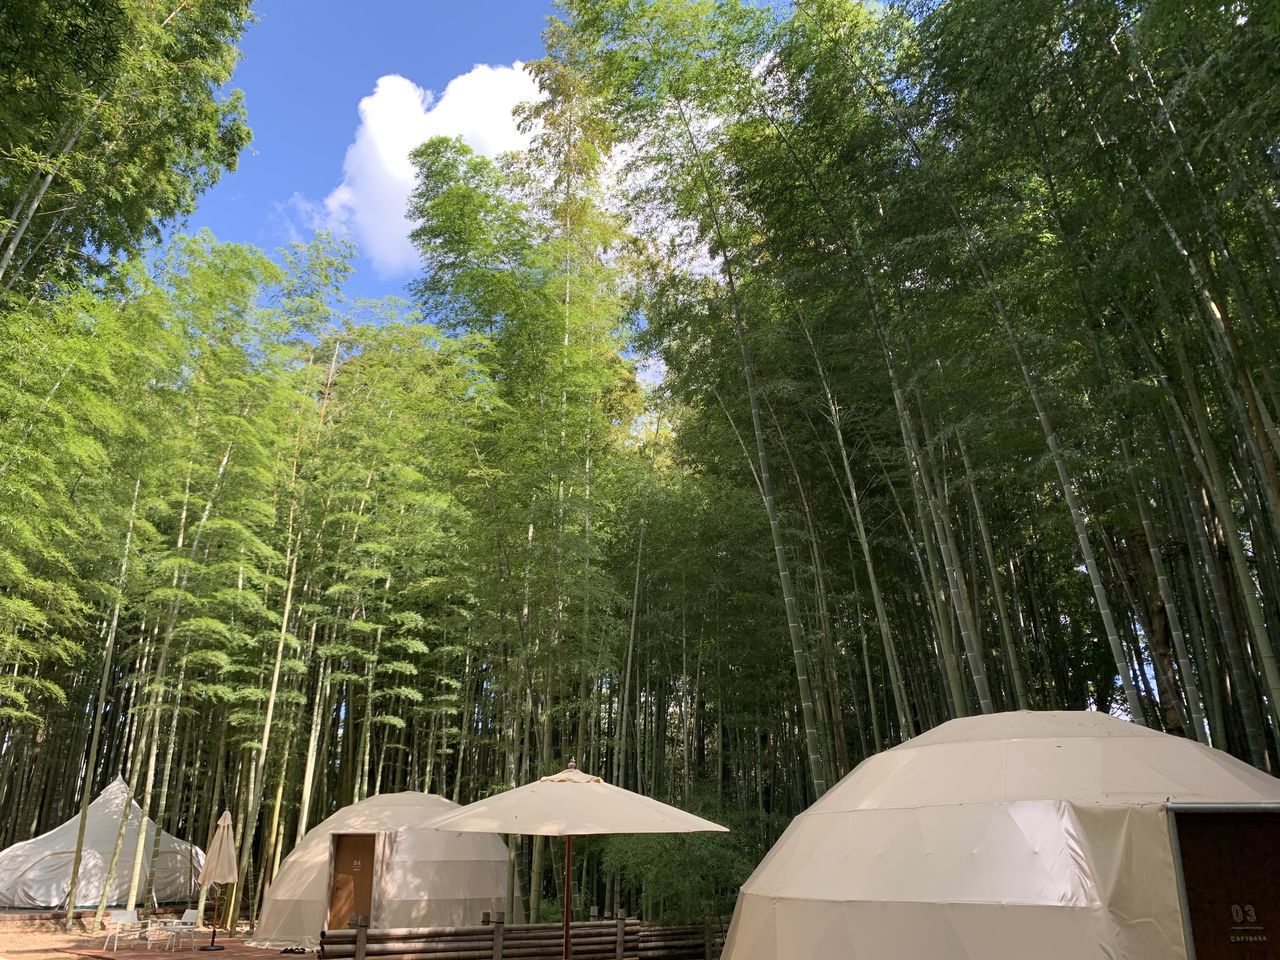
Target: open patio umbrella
[568, 804]
[219, 867]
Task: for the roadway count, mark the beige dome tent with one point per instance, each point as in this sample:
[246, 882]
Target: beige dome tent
[37, 872]
[1062, 836]
[379, 857]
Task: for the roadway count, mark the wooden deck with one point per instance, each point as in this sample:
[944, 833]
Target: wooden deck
[237, 949]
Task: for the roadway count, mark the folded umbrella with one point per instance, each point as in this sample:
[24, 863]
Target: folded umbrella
[220, 867]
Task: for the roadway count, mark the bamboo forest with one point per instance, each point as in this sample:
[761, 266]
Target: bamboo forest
[822, 372]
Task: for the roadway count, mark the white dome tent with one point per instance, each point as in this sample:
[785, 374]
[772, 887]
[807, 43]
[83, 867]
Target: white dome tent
[37, 872]
[421, 877]
[1056, 835]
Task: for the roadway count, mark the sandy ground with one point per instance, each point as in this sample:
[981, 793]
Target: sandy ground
[27, 943]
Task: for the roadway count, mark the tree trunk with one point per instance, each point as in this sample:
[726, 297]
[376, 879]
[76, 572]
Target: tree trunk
[100, 708]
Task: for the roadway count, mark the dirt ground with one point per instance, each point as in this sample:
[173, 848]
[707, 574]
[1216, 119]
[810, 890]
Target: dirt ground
[26, 943]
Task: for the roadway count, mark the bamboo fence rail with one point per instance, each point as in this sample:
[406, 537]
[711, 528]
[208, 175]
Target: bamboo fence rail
[610, 939]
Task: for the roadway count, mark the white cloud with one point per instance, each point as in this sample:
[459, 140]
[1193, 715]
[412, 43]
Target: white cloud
[398, 116]
[299, 217]
[651, 371]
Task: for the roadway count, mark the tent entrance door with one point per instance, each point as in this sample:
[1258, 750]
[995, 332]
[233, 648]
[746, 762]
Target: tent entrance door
[351, 886]
[1229, 860]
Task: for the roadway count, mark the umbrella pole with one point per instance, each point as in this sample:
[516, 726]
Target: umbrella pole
[568, 894]
[213, 936]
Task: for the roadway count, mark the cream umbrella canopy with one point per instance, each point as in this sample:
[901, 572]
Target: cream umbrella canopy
[220, 865]
[569, 804]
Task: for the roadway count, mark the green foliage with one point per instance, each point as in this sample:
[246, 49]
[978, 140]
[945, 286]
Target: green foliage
[983, 256]
[686, 878]
[114, 122]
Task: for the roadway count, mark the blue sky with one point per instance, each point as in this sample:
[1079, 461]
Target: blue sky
[338, 91]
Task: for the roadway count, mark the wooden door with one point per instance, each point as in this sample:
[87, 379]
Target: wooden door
[351, 890]
[1231, 875]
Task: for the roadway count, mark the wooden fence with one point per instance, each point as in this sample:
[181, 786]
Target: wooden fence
[617, 939]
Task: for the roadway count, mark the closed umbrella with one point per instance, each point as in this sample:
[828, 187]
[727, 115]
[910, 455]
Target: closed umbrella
[219, 867]
[568, 804]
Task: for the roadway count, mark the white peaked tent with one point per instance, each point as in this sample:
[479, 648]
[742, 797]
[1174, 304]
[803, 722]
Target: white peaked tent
[999, 837]
[37, 872]
[422, 877]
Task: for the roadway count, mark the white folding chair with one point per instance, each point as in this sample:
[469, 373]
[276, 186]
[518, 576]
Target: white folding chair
[184, 929]
[122, 923]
